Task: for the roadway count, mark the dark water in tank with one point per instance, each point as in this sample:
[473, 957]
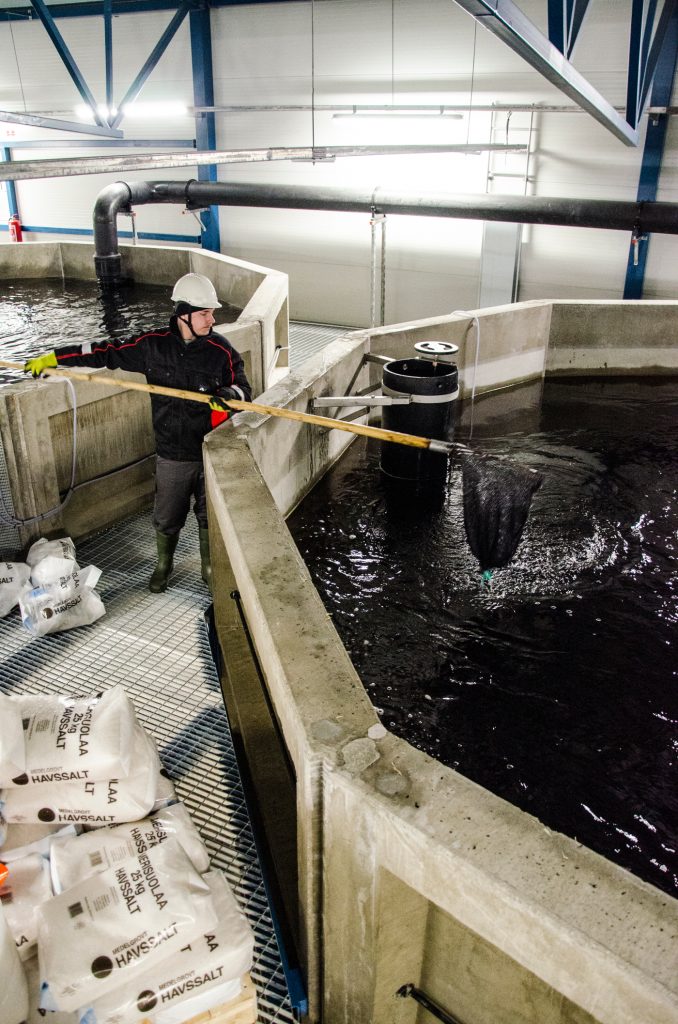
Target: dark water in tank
[37, 315]
[556, 688]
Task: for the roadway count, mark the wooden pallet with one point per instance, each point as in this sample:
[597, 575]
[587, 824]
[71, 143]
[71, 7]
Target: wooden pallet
[241, 1010]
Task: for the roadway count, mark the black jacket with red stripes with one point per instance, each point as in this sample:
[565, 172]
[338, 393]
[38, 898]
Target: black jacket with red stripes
[205, 364]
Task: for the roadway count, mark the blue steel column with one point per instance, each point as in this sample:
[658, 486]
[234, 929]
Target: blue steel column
[10, 186]
[108, 51]
[662, 88]
[205, 130]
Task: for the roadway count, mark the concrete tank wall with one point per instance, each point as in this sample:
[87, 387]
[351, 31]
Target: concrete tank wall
[115, 471]
[407, 872]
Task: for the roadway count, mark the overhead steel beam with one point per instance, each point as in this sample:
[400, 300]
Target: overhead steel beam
[158, 50]
[95, 8]
[49, 24]
[506, 21]
[20, 170]
[103, 144]
[36, 121]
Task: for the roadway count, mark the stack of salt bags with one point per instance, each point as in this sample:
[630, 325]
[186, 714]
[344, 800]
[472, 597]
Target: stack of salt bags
[149, 910]
[61, 595]
[65, 762]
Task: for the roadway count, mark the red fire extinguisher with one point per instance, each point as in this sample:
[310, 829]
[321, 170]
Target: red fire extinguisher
[15, 233]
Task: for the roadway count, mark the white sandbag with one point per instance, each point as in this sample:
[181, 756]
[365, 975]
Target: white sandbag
[63, 548]
[103, 802]
[20, 840]
[201, 975]
[12, 743]
[74, 858]
[13, 989]
[35, 1014]
[110, 928]
[15, 578]
[69, 739]
[26, 888]
[70, 602]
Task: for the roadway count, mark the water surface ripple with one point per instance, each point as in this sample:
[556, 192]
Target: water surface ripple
[556, 689]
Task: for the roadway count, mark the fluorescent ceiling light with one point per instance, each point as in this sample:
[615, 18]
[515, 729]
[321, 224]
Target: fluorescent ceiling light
[169, 109]
[388, 114]
[84, 112]
[133, 110]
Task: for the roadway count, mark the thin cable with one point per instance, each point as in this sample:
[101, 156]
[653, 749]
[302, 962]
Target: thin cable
[7, 518]
[18, 69]
[392, 53]
[473, 72]
[313, 74]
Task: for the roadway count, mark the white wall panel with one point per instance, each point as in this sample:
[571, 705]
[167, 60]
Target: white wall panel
[362, 51]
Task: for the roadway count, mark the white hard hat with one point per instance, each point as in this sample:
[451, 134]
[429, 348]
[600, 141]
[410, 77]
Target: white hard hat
[197, 290]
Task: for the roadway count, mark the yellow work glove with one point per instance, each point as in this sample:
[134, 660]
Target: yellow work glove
[40, 363]
[219, 403]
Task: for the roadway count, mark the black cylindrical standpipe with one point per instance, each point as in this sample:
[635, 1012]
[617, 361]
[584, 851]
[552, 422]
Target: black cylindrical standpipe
[121, 197]
[433, 388]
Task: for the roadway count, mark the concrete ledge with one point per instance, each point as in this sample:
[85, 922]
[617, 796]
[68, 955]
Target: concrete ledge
[407, 871]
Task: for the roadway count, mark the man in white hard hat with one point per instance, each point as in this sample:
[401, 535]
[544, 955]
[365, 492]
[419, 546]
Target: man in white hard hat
[190, 356]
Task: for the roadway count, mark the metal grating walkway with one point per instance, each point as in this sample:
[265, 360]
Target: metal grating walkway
[306, 339]
[157, 646]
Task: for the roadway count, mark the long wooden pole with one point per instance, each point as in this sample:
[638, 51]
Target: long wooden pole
[413, 440]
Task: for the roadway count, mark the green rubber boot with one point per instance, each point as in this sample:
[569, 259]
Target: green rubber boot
[205, 564]
[161, 574]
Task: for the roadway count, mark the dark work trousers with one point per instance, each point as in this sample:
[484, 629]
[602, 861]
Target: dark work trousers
[175, 484]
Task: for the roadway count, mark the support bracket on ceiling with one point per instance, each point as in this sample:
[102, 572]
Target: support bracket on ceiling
[45, 16]
[506, 21]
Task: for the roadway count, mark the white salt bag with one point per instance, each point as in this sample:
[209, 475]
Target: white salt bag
[15, 578]
[13, 989]
[202, 975]
[36, 1015]
[103, 802]
[70, 602]
[70, 739]
[52, 570]
[74, 858]
[107, 930]
[20, 840]
[63, 548]
[12, 743]
[26, 888]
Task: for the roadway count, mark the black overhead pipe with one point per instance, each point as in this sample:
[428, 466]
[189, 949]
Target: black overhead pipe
[636, 217]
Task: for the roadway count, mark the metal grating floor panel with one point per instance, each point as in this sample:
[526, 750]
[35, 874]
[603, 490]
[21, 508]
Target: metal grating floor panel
[306, 339]
[157, 646]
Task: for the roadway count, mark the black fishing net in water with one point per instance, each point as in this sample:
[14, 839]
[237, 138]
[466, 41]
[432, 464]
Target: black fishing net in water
[497, 499]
